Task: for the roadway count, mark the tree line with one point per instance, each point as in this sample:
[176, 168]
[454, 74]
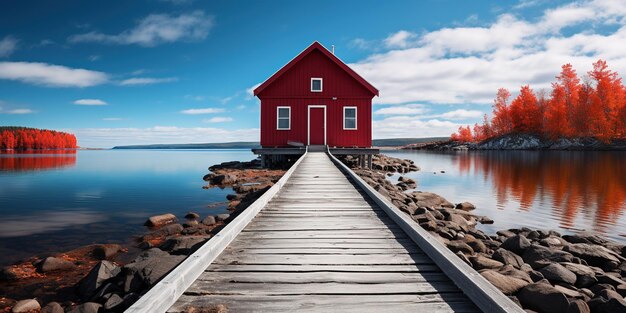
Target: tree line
[595, 107]
[22, 138]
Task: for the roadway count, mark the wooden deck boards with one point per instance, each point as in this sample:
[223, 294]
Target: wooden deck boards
[320, 245]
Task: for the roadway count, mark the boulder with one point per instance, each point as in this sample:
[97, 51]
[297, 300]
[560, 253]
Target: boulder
[89, 307]
[508, 257]
[585, 276]
[509, 270]
[98, 275]
[116, 303]
[621, 289]
[477, 245]
[192, 215]
[517, 244]
[585, 237]
[609, 278]
[460, 246]
[578, 306]
[8, 273]
[556, 273]
[539, 256]
[27, 305]
[167, 230]
[460, 221]
[51, 264]
[507, 284]
[148, 268]
[190, 223]
[430, 225]
[430, 200]
[52, 307]
[105, 251]
[222, 217]
[183, 245]
[161, 220]
[594, 254]
[465, 206]
[543, 298]
[480, 262]
[209, 220]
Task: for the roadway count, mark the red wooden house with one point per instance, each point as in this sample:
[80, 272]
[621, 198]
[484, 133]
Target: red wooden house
[316, 99]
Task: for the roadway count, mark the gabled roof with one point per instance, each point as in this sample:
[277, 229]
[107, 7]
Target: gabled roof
[316, 46]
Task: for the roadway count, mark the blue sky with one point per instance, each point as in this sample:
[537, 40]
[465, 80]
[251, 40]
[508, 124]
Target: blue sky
[156, 71]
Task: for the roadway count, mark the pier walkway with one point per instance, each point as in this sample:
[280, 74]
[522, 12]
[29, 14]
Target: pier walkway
[322, 243]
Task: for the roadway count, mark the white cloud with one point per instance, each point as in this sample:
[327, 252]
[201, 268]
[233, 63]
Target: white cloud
[407, 109]
[400, 39]
[109, 137]
[156, 29]
[51, 75]
[94, 57]
[218, 119]
[146, 81]
[89, 102]
[17, 111]
[412, 126]
[202, 111]
[250, 91]
[467, 65]
[112, 119]
[462, 114]
[8, 45]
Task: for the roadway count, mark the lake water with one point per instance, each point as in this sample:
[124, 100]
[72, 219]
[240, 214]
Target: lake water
[562, 190]
[55, 202]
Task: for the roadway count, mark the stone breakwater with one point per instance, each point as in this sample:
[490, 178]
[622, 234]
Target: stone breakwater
[540, 270]
[96, 278]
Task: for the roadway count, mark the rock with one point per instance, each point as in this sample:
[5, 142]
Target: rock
[599, 287]
[517, 244]
[578, 306]
[50, 264]
[477, 245]
[609, 279]
[508, 285]
[430, 225]
[27, 305]
[460, 221]
[168, 230]
[552, 242]
[460, 246]
[190, 223]
[430, 200]
[148, 268]
[557, 273]
[209, 220]
[505, 233]
[105, 251]
[594, 255]
[222, 217]
[538, 256]
[585, 276]
[89, 307]
[485, 220]
[543, 297]
[192, 215]
[535, 275]
[422, 218]
[52, 307]
[161, 220]
[8, 273]
[585, 237]
[98, 275]
[568, 292]
[113, 301]
[118, 304]
[621, 289]
[508, 257]
[183, 245]
[465, 206]
[480, 262]
[509, 270]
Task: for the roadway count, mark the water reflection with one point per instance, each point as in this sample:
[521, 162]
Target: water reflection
[588, 183]
[18, 161]
[566, 190]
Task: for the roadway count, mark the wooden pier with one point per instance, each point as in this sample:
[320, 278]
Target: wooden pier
[321, 240]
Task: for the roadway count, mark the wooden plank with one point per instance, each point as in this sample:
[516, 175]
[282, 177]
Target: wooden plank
[323, 259]
[165, 292]
[448, 302]
[321, 234]
[251, 268]
[322, 277]
[486, 296]
[209, 288]
[332, 250]
[325, 243]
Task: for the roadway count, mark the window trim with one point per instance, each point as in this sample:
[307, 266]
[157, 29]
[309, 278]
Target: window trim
[278, 117]
[356, 115]
[321, 84]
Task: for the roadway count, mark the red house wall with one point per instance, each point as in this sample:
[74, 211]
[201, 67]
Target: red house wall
[293, 89]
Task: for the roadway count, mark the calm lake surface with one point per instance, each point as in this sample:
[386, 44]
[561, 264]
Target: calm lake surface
[55, 202]
[51, 202]
[561, 190]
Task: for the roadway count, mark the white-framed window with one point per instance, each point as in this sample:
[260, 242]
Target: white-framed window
[349, 118]
[316, 84]
[283, 118]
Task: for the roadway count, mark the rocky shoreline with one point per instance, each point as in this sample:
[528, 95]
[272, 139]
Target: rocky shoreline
[97, 278]
[540, 270]
[522, 142]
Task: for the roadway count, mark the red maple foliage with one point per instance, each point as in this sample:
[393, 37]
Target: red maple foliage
[596, 108]
[19, 138]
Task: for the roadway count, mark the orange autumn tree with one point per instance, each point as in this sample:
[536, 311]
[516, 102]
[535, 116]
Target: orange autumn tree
[596, 108]
[22, 138]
